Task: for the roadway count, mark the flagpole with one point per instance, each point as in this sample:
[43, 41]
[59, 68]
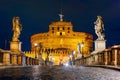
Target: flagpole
[5, 44]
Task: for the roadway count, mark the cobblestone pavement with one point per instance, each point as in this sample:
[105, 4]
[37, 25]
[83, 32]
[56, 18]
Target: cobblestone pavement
[58, 73]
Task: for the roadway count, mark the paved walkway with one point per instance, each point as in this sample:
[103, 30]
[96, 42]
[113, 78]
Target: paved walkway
[106, 66]
[58, 73]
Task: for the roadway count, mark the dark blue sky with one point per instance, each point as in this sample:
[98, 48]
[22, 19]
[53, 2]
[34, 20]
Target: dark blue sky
[36, 15]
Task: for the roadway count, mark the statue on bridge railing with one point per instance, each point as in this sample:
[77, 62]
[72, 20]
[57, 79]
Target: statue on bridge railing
[99, 27]
[17, 27]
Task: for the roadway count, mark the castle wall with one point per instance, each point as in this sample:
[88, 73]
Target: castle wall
[61, 36]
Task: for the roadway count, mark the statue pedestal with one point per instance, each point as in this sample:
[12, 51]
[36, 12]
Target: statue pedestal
[100, 45]
[15, 46]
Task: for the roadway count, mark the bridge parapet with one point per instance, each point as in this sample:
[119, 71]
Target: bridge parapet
[110, 56]
[10, 58]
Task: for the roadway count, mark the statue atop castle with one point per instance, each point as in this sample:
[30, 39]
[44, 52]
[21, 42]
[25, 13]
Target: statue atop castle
[99, 27]
[17, 27]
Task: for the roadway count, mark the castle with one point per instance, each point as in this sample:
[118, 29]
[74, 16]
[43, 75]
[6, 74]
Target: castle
[58, 44]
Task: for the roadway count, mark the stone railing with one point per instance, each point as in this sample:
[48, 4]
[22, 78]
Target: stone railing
[14, 59]
[110, 56]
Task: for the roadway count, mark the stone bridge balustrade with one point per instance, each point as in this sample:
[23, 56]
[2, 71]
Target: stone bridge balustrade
[6, 57]
[110, 56]
[16, 59]
[27, 61]
[115, 55]
[107, 57]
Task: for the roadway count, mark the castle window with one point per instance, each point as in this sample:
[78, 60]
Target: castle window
[52, 31]
[60, 33]
[52, 28]
[68, 31]
[68, 28]
[58, 28]
[63, 28]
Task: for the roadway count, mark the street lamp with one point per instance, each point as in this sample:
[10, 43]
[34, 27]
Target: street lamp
[40, 45]
[70, 60]
[51, 60]
[80, 48]
[73, 58]
[35, 49]
[82, 45]
[40, 53]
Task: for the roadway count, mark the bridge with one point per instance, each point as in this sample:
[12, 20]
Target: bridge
[110, 56]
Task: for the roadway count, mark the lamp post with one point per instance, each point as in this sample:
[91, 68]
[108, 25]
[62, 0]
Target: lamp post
[79, 53]
[70, 60]
[51, 60]
[80, 48]
[40, 53]
[40, 45]
[73, 58]
[35, 49]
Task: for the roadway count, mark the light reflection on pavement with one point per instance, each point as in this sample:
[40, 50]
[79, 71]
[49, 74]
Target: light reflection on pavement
[58, 73]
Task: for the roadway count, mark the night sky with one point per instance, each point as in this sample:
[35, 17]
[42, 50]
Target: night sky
[36, 15]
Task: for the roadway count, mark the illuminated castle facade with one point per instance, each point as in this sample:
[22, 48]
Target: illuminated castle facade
[59, 42]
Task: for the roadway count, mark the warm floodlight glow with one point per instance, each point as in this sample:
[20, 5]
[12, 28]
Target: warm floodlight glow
[66, 64]
[35, 44]
[82, 44]
[73, 52]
